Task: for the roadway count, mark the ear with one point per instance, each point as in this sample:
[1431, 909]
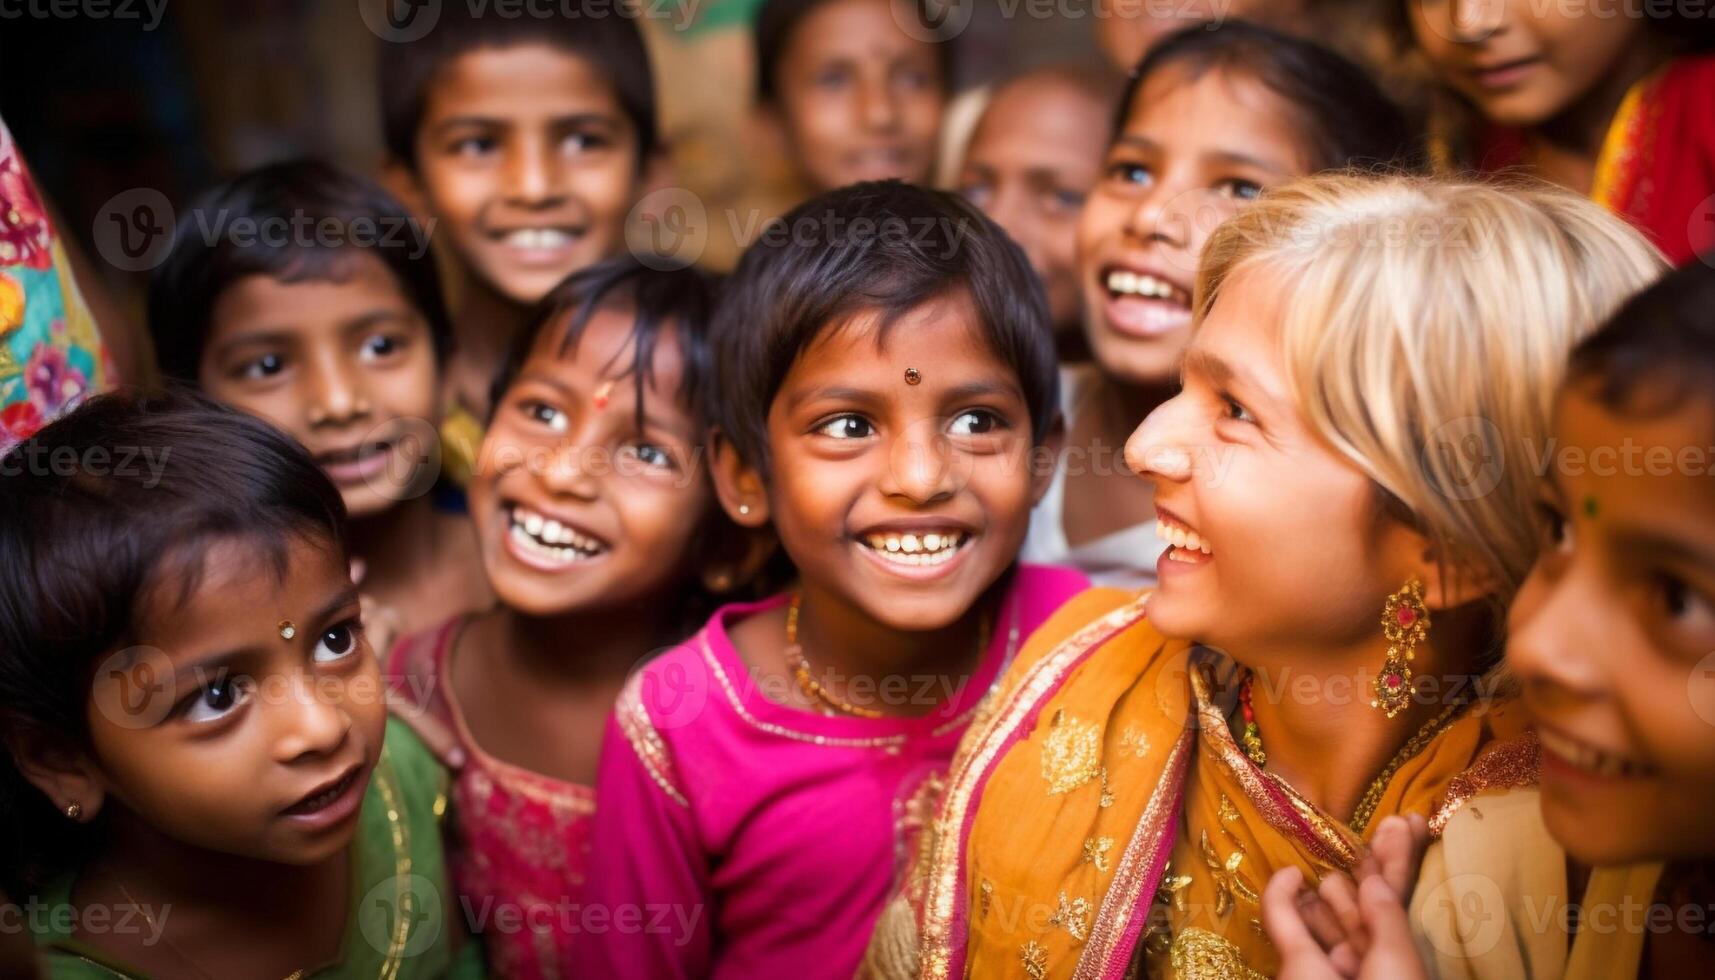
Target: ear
[402, 182]
[65, 776]
[1045, 459]
[743, 493]
[1446, 584]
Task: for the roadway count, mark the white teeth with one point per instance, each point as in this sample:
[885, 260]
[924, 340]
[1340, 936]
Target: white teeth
[1585, 757]
[1126, 282]
[538, 238]
[551, 539]
[909, 549]
[1181, 538]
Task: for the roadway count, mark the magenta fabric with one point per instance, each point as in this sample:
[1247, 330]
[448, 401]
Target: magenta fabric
[742, 838]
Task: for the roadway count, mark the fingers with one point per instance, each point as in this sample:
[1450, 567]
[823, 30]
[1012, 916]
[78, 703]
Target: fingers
[1398, 847]
[1341, 897]
[1284, 923]
[1392, 952]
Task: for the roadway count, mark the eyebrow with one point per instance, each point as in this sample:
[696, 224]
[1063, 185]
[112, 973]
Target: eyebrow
[1197, 360]
[1662, 546]
[834, 393]
[186, 675]
[650, 419]
[980, 389]
[571, 119]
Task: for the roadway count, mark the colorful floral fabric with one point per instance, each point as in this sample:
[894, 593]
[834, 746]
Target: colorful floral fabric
[51, 356]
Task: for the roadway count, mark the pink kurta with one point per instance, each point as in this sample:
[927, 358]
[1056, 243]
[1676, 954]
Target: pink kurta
[743, 838]
[521, 839]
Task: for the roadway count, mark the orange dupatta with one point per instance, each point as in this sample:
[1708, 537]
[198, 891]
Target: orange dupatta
[1104, 755]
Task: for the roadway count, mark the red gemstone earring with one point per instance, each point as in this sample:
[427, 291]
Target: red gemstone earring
[1405, 623]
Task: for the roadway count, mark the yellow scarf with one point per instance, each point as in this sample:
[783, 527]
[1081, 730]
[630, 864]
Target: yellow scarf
[1103, 755]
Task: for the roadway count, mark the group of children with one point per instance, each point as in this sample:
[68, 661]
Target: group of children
[585, 615]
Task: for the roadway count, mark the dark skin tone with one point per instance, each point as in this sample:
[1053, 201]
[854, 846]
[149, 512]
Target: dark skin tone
[535, 677]
[253, 892]
[858, 457]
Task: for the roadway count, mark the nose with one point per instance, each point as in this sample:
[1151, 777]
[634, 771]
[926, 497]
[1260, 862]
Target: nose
[1549, 644]
[922, 466]
[1163, 213]
[309, 720]
[1161, 447]
[336, 394]
[532, 173]
[878, 107]
[1471, 21]
[572, 470]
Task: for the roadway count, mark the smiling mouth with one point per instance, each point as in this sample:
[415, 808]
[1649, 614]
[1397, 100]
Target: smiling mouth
[549, 540]
[1587, 758]
[539, 239]
[1187, 545]
[1142, 285]
[323, 798]
[356, 462]
[933, 548]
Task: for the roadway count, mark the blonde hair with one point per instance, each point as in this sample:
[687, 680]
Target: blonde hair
[1426, 326]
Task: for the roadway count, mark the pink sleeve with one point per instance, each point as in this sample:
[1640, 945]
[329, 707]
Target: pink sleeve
[647, 876]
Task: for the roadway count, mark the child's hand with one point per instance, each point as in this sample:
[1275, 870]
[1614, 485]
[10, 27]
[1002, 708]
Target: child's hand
[1395, 855]
[1388, 952]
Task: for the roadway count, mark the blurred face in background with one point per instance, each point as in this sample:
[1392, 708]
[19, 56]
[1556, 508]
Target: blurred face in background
[1125, 29]
[857, 97]
[1032, 161]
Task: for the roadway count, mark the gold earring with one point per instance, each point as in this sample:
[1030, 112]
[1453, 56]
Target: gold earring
[1405, 623]
[74, 810]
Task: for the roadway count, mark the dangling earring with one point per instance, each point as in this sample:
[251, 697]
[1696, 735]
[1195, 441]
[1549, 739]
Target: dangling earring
[1405, 623]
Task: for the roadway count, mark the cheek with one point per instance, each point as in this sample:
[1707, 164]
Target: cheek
[280, 407]
[456, 194]
[1098, 223]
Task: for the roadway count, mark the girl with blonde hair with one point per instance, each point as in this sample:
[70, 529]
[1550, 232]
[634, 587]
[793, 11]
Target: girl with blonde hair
[1346, 482]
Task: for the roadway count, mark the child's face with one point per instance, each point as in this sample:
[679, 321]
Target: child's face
[1522, 63]
[1298, 548]
[527, 158]
[905, 500]
[860, 99]
[1031, 163]
[346, 367]
[269, 742]
[1191, 154]
[1613, 634]
[575, 508]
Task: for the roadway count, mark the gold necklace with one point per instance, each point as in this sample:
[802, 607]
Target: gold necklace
[813, 688]
[1251, 739]
[162, 932]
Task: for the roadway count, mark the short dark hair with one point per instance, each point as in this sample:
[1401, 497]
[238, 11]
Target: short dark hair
[1345, 117]
[681, 299]
[1657, 350]
[286, 204]
[84, 544]
[878, 245]
[776, 22]
[612, 44]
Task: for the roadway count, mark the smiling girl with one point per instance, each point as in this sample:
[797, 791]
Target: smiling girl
[593, 507]
[1213, 116]
[1611, 99]
[1317, 657]
[882, 398]
[195, 781]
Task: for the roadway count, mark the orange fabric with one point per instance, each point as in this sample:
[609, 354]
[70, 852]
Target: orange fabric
[1104, 754]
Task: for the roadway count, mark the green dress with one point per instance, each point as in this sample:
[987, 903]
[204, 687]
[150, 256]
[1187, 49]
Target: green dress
[398, 924]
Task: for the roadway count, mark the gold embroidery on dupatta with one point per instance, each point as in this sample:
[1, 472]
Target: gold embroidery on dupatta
[1096, 851]
[1071, 754]
[1034, 958]
[1201, 955]
[1134, 741]
[1074, 914]
[946, 867]
[985, 897]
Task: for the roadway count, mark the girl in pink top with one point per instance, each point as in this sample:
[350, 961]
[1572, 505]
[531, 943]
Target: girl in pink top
[885, 399]
[592, 508]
